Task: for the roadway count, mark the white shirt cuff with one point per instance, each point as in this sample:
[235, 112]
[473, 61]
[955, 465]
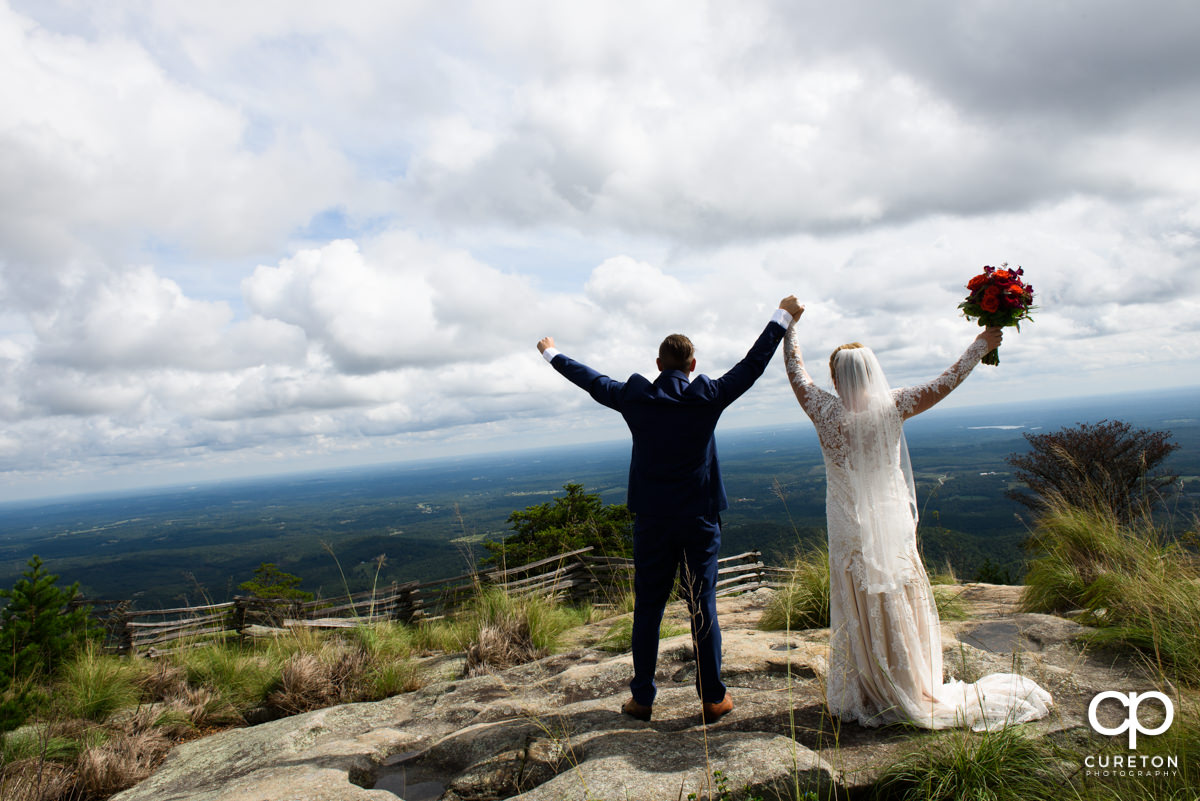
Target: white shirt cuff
[782, 317]
[549, 353]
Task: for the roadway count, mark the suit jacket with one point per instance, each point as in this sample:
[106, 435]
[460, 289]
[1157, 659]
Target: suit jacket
[673, 469]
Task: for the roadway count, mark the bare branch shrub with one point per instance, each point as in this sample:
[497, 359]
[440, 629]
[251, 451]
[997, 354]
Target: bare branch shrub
[1109, 464]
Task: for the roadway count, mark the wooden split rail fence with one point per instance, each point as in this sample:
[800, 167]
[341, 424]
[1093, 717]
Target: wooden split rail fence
[578, 576]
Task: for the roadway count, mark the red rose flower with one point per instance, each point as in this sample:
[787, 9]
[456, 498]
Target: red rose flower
[998, 296]
[1013, 300]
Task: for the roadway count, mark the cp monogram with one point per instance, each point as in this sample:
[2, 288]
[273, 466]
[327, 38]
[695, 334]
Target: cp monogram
[1131, 701]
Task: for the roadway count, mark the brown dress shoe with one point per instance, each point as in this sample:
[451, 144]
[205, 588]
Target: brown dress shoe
[636, 710]
[714, 712]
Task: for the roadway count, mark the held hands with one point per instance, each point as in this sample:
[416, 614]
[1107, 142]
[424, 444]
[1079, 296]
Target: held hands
[788, 304]
[992, 335]
[792, 307]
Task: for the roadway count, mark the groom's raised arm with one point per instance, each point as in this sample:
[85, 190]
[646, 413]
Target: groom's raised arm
[603, 389]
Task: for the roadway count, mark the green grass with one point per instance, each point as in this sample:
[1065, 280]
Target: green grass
[619, 636]
[383, 641]
[1156, 616]
[94, 685]
[1140, 590]
[802, 603]
[446, 635]
[548, 621]
[507, 629]
[385, 679]
[241, 676]
[544, 620]
[38, 741]
[1073, 548]
[949, 605]
[1002, 765]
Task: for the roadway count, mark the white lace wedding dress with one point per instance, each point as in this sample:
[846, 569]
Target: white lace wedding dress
[885, 660]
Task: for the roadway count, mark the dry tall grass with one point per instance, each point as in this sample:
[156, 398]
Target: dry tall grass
[35, 779]
[113, 718]
[122, 760]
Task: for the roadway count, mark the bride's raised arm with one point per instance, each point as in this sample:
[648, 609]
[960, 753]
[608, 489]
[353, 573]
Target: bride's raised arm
[806, 391]
[912, 401]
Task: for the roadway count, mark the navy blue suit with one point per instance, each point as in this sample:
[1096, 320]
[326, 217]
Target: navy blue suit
[676, 493]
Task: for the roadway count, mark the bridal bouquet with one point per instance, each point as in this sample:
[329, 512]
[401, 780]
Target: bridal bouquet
[998, 296]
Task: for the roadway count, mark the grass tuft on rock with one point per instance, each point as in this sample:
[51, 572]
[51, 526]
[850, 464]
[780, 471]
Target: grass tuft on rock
[618, 638]
[94, 685]
[803, 602]
[509, 629]
[1002, 765]
[241, 677]
[120, 761]
[1139, 590]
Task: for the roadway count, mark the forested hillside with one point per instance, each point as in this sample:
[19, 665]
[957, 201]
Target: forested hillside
[428, 519]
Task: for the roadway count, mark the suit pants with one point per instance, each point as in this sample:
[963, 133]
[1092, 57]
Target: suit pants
[663, 547]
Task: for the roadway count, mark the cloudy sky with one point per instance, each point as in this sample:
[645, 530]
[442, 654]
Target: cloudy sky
[241, 236]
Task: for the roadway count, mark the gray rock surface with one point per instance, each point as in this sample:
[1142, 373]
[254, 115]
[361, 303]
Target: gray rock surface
[550, 730]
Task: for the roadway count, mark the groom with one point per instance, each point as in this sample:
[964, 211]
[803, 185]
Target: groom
[676, 494]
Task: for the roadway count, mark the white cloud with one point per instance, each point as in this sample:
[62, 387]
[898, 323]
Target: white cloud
[756, 128]
[639, 293]
[136, 319]
[257, 233]
[102, 151]
[400, 302]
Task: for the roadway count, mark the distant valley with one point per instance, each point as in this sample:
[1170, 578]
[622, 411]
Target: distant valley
[426, 519]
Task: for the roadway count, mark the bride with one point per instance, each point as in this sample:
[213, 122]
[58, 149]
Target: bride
[885, 649]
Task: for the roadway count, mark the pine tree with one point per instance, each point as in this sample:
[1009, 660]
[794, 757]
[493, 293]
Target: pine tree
[568, 523]
[38, 629]
[272, 583]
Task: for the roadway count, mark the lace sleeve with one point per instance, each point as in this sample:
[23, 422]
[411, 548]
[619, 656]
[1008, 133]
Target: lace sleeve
[914, 400]
[812, 398]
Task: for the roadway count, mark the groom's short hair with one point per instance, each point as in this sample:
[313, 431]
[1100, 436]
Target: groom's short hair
[676, 352]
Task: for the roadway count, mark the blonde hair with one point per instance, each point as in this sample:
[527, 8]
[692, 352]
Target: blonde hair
[839, 349]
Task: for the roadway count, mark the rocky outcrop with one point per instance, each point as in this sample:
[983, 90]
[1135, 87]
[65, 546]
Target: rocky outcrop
[550, 730]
